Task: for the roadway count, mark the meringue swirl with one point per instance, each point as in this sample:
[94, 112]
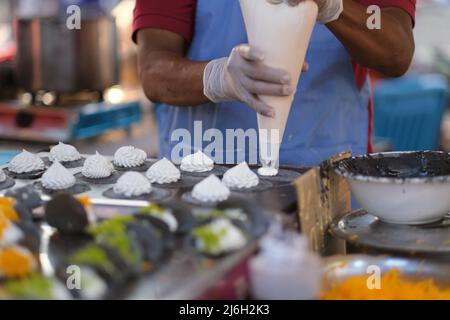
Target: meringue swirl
[163, 171]
[211, 189]
[57, 177]
[197, 162]
[97, 167]
[240, 177]
[64, 153]
[132, 184]
[129, 157]
[26, 162]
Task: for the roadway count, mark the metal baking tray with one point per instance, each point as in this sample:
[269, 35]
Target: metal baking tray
[186, 275]
[280, 196]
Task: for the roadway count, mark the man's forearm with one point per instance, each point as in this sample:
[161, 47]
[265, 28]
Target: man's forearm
[166, 75]
[388, 50]
[169, 78]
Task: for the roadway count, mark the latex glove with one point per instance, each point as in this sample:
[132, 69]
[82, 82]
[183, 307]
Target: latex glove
[242, 77]
[329, 10]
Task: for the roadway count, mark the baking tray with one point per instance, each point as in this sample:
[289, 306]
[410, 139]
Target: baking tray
[185, 275]
[281, 197]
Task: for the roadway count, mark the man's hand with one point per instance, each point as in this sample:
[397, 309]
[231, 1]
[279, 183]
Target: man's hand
[243, 76]
[329, 10]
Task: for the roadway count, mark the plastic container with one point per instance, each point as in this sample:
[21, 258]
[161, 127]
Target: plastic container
[285, 269]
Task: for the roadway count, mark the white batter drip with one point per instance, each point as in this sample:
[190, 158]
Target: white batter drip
[268, 171]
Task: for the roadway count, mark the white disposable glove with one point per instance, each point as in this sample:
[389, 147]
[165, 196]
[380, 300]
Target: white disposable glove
[329, 10]
[242, 77]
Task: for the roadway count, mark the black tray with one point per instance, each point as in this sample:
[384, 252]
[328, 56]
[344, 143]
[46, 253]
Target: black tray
[67, 164]
[7, 184]
[157, 194]
[25, 176]
[109, 180]
[78, 188]
[142, 168]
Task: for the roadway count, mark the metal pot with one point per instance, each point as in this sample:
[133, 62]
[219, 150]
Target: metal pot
[52, 57]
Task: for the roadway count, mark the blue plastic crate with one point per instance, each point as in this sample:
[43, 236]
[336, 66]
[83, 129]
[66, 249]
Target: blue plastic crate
[100, 118]
[6, 156]
[409, 111]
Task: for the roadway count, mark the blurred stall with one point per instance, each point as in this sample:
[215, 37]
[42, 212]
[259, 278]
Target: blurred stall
[412, 113]
[66, 84]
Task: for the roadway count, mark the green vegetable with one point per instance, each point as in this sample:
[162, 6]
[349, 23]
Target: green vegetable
[157, 212]
[114, 225]
[33, 287]
[216, 213]
[93, 256]
[113, 233]
[153, 209]
[210, 238]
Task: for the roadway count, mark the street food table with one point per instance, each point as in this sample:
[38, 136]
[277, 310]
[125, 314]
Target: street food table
[181, 273]
[316, 200]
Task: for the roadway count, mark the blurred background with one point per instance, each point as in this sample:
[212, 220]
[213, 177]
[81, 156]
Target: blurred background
[82, 86]
[78, 86]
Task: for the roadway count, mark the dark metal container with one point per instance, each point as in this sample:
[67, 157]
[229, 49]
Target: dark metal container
[52, 57]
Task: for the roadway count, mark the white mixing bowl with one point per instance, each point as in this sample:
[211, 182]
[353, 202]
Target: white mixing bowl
[401, 187]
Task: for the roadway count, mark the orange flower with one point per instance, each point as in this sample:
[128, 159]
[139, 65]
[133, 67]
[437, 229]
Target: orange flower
[16, 262]
[7, 209]
[4, 224]
[393, 287]
[85, 201]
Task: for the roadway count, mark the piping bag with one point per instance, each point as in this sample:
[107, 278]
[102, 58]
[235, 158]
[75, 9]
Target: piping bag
[282, 31]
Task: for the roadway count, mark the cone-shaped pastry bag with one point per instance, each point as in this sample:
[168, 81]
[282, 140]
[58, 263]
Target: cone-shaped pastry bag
[283, 33]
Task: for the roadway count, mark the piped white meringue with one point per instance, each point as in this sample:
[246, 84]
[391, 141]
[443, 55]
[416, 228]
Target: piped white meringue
[64, 153]
[211, 189]
[163, 172]
[26, 162]
[197, 162]
[57, 177]
[129, 157]
[240, 177]
[133, 184]
[97, 167]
